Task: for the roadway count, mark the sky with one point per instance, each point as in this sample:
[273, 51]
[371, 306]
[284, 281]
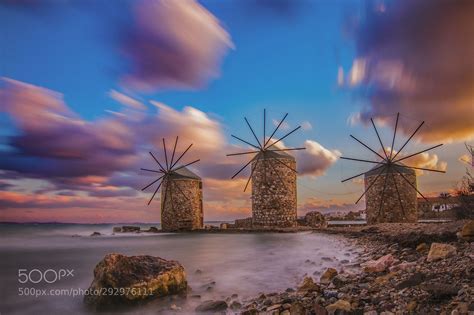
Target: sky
[88, 88]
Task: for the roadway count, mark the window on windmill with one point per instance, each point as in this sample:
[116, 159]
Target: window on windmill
[200, 185]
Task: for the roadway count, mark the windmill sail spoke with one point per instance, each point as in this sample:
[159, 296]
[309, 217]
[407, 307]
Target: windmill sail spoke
[166, 193]
[273, 133]
[411, 155]
[394, 134]
[289, 149]
[286, 165]
[152, 182]
[243, 153]
[367, 147]
[245, 142]
[242, 169]
[251, 129]
[166, 155]
[182, 193]
[182, 154]
[413, 186]
[371, 184]
[264, 125]
[178, 168]
[383, 192]
[156, 190]
[174, 150]
[359, 160]
[398, 194]
[352, 177]
[378, 136]
[289, 133]
[421, 168]
[251, 173]
[408, 140]
[153, 171]
[156, 160]
[279, 177]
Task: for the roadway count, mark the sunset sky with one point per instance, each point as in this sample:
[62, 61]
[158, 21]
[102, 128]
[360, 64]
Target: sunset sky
[87, 88]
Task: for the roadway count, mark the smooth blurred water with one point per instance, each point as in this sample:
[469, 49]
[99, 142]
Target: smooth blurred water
[245, 264]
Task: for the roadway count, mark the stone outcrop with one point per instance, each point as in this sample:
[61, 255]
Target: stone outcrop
[384, 206]
[440, 251]
[467, 231]
[328, 275]
[134, 279]
[378, 265]
[315, 219]
[274, 190]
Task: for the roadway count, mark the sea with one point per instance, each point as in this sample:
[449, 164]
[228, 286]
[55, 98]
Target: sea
[45, 268]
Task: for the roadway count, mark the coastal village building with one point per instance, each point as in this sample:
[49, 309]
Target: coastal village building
[274, 190]
[181, 207]
[386, 206]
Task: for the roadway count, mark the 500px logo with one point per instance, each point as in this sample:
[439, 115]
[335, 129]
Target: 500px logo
[48, 275]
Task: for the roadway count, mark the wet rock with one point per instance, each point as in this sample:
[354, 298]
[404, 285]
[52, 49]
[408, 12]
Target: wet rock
[235, 306]
[251, 311]
[96, 234]
[467, 232]
[413, 280]
[422, 248]
[339, 307]
[326, 258]
[378, 265]
[328, 275]
[440, 251]
[308, 285]
[297, 309]
[153, 229]
[141, 277]
[340, 280]
[198, 272]
[130, 229]
[117, 229]
[211, 306]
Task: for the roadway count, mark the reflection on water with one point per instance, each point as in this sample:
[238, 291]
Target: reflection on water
[245, 264]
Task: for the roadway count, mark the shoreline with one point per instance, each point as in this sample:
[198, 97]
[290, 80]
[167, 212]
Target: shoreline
[404, 282]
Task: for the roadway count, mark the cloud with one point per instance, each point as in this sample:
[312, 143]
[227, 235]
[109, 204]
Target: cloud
[284, 125]
[327, 206]
[413, 58]
[173, 44]
[316, 159]
[423, 160]
[126, 100]
[306, 125]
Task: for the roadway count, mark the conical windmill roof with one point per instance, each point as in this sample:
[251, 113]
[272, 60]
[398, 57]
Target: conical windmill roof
[393, 169]
[275, 154]
[184, 173]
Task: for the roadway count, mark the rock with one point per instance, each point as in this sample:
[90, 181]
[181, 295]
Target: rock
[173, 307]
[328, 275]
[467, 232]
[141, 277]
[272, 308]
[297, 309]
[403, 266]
[198, 271]
[116, 229]
[153, 229]
[96, 234]
[378, 265]
[308, 285]
[315, 219]
[211, 306]
[130, 229]
[340, 280]
[235, 306]
[422, 248]
[440, 251]
[411, 307]
[413, 280]
[285, 312]
[371, 313]
[319, 310]
[440, 291]
[251, 311]
[338, 306]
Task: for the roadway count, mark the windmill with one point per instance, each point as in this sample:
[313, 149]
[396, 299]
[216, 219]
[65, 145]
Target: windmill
[181, 192]
[273, 175]
[390, 186]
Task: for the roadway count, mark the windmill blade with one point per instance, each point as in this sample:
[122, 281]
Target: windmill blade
[380, 140]
[251, 173]
[273, 133]
[411, 184]
[174, 150]
[242, 169]
[153, 171]
[152, 182]
[383, 193]
[156, 160]
[279, 177]
[411, 155]
[166, 193]
[367, 147]
[181, 191]
[246, 142]
[289, 133]
[398, 194]
[421, 168]
[373, 169]
[358, 160]
[166, 155]
[243, 153]
[370, 185]
[251, 129]
[264, 124]
[182, 154]
[156, 190]
[394, 133]
[408, 140]
[289, 149]
[186, 165]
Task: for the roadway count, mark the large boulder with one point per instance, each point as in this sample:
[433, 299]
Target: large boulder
[315, 219]
[339, 307]
[378, 265]
[211, 306]
[308, 285]
[440, 251]
[328, 275]
[467, 232]
[128, 280]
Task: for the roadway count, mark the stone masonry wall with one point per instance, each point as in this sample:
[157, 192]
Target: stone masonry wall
[391, 210]
[182, 208]
[274, 200]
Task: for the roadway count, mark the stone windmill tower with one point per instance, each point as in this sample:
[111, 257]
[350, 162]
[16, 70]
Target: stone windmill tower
[181, 193]
[273, 175]
[391, 186]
